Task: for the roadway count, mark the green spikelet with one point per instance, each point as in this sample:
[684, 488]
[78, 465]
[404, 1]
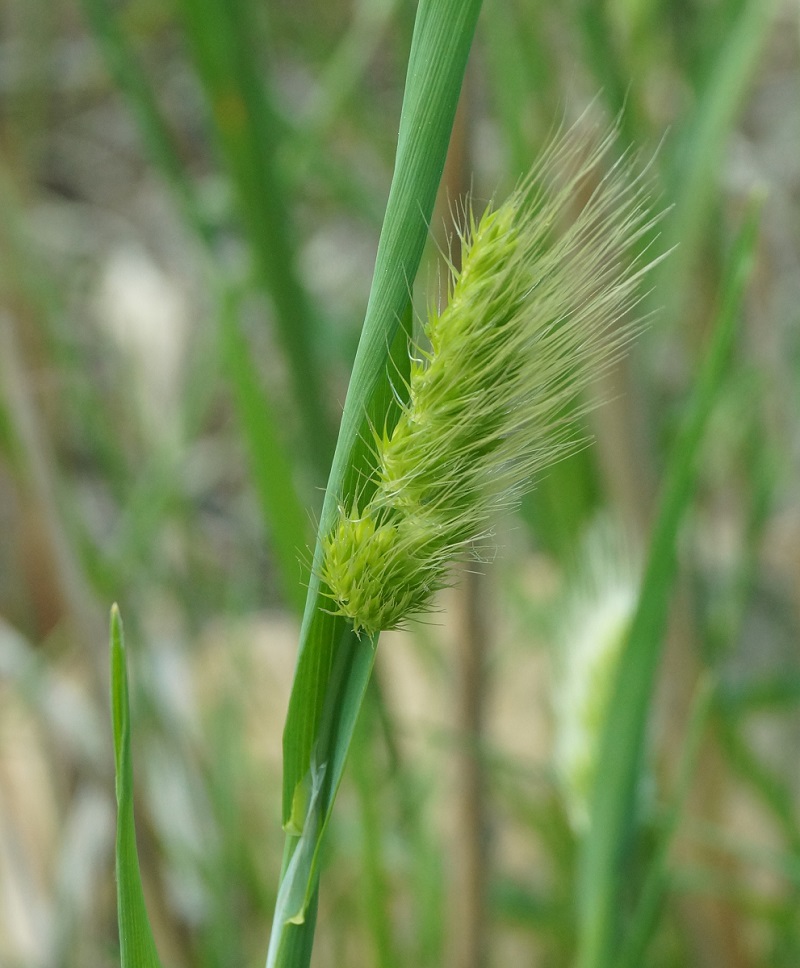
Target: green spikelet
[540, 305]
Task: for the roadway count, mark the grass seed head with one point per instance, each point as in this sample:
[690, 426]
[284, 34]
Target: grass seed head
[540, 305]
[594, 619]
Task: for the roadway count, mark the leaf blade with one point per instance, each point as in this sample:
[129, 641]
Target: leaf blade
[334, 665]
[622, 740]
[137, 945]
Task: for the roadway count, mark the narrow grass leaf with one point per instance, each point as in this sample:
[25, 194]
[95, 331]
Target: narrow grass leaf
[222, 38]
[658, 874]
[700, 151]
[521, 76]
[334, 664]
[604, 57]
[441, 43]
[346, 67]
[271, 468]
[613, 808]
[137, 947]
[375, 887]
[772, 789]
[773, 694]
[134, 84]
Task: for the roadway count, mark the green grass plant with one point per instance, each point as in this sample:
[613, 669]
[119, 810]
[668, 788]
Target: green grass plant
[700, 145]
[274, 476]
[221, 35]
[244, 152]
[334, 663]
[137, 947]
[391, 472]
[651, 897]
[613, 811]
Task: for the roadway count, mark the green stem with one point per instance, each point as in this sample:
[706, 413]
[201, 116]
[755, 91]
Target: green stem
[334, 665]
[221, 37]
[601, 874]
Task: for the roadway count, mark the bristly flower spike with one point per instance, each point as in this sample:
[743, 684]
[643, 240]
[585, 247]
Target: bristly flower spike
[540, 306]
[594, 616]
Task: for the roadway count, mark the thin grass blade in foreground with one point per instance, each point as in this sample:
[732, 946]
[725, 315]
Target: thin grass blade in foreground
[137, 947]
[334, 664]
[613, 805]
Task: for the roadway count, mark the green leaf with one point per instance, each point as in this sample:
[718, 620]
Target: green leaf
[271, 470]
[613, 819]
[223, 38]
[441, 43]
[334, 665]
[137, 947]
[134, 84]
[655, 886]
[700, 151]
[270, 467]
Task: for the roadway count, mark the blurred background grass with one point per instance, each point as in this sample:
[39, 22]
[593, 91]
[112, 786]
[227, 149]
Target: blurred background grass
[190, 201]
